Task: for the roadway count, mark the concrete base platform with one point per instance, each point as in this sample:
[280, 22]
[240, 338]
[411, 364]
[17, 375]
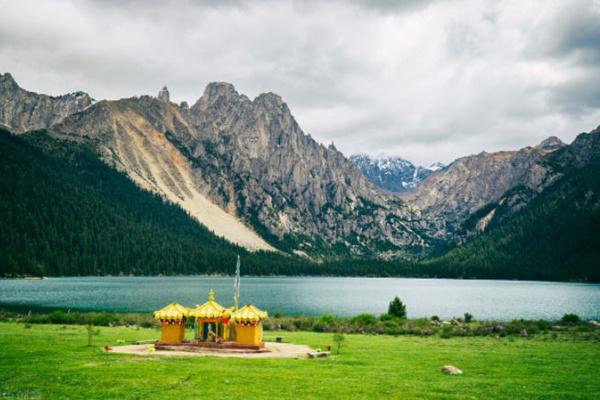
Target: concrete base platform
[270, 350]
[190, 345]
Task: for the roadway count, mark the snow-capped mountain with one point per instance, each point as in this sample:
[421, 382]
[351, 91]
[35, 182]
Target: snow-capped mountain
[393, 174]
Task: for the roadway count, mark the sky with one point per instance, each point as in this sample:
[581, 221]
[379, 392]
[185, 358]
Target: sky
[423, 80]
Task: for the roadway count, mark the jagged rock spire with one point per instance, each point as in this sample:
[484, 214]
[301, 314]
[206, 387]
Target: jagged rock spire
[163, 95]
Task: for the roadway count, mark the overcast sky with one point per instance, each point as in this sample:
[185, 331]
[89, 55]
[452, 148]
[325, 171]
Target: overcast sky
[427, 81]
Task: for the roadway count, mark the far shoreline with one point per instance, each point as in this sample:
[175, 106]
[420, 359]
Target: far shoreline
[220, 275]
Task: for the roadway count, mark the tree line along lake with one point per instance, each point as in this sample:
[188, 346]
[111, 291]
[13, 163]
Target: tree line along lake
[446, 298]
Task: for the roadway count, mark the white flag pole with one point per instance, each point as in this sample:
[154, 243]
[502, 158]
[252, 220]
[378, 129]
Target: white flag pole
[236, 284]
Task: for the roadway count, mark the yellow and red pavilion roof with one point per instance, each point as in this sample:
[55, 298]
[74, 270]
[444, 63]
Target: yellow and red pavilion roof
[248, 313]
[211, 309]
[173, 311]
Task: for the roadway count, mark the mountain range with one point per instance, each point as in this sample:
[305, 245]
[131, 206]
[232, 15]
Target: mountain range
[244, 170]
[393, 174]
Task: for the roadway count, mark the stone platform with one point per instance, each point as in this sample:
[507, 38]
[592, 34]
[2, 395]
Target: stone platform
[270, 350]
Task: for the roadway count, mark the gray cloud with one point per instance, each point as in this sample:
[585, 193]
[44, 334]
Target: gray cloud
[425, 80]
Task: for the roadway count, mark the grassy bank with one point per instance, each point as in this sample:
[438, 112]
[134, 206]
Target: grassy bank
[53, 361]
[384, 324]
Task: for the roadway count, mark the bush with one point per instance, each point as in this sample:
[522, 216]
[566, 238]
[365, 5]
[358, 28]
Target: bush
[421, 323]
[386, 317]
[364, 319]
[60, 317]
[469, 318]
[338, 339]
[391, 327]
[435, 318]
[397, 308]
[101, 320]
[424, 332]
[543, 325]
[327, 319]
[148, 324]
[570, 319]
[446, 332]
[320, 327]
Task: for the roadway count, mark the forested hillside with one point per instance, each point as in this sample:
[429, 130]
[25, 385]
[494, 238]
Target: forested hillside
[556, 237]
[64, 212]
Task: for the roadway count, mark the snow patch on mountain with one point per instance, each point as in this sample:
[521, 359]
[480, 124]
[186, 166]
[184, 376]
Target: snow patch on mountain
[393, 174]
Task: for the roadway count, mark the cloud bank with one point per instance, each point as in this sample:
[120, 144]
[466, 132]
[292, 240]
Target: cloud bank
[427, 81]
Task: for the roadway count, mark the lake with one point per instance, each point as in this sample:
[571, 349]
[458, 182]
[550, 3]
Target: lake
[485, 299]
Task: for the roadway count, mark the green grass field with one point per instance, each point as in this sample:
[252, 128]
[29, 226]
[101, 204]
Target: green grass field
[54, 362]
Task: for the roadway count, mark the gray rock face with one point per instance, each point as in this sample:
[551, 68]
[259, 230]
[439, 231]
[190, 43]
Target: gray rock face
[469, 183]
[251, 158]
[163, 95]
[284, 179]
[21, 111]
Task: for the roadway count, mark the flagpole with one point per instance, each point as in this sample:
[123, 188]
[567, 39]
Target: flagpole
[236, 284]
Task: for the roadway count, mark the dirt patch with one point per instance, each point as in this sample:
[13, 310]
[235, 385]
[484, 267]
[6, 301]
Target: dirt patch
[271, 350]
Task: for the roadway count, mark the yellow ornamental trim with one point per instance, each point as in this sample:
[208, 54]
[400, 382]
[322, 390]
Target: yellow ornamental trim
[173, 311]
[211, 309]
[248, 313]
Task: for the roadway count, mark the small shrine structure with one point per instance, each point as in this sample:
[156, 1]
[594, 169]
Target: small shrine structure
[215, 326]
[248, 325]
[172, 322]
[212, 320]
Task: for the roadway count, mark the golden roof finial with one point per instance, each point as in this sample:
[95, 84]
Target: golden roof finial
[211, 295]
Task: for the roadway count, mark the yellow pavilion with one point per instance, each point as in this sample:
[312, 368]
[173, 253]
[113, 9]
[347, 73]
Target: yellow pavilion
[212, 320]
[248, 325]
[216, 326]
[172, 321]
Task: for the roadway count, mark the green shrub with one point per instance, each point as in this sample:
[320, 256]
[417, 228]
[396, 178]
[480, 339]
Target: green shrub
[101, 320]
[364, 319]
[397, 308]
[147, 324]
[468, 318]
[483, 330]
[320, 327]
[421, 323]
[386, 317]
[391, 327]
[60, 317]
[339, 339]
[424, 332]
[570, 319]
[327, 319]
[446, 332]
[543, 325]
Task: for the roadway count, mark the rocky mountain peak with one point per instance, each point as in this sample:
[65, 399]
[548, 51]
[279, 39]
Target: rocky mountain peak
[269, 100]
[7, 79]
[217, 94]
[217, 90]
[21, 111]
[163, 95]
[393, 174]
[436, 166]
[550, 144]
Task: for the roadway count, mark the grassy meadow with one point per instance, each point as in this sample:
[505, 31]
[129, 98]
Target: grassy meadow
[47, 361]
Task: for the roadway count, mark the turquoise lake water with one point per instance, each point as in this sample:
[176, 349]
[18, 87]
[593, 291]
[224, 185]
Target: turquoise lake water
[485, 299]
